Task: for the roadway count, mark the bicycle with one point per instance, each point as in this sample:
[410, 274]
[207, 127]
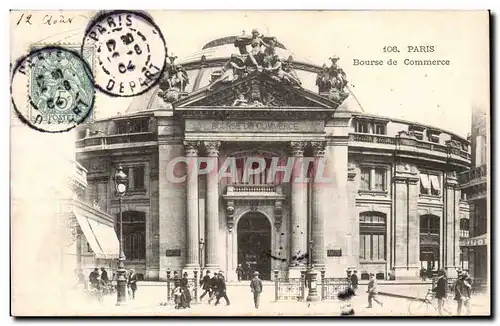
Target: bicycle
[426, 306]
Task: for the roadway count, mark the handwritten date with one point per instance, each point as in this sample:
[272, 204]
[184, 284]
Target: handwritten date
[27, 19]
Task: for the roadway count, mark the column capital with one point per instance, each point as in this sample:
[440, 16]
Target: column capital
[212, 147]
[298, 148]
[191, 147]
[318, 148]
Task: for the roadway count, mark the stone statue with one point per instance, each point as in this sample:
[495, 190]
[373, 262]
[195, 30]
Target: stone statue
[254, 58]
[280, 70]
[332, 81]
[175, 81]
[232, 70]
[240, 101]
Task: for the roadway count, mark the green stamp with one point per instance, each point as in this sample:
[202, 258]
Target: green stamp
[61, 90]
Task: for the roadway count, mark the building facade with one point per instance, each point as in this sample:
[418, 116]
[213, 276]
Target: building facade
[392, 205]
[474, 184]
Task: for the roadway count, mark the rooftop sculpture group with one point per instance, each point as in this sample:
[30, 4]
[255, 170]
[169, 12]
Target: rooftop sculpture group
[332, 81]
[174, 82]
[257, 53]
[262, 57]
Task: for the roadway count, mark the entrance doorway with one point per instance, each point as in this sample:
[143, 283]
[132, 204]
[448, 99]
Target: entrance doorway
[254, 245]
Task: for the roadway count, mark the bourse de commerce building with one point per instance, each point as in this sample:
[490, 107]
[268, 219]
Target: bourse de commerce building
[222, 170]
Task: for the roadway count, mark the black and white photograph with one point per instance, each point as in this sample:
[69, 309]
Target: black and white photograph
[250, 163]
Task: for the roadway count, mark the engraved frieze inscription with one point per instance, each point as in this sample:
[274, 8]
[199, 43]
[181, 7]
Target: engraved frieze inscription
[253, 126]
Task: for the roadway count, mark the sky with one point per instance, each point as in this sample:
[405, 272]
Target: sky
[440, 96]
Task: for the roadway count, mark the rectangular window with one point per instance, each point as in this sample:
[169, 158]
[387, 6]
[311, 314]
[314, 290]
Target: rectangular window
[138, 174]
[372, 247]
[379, 179]
[425, 185]
[365, 178]
[121, 128]
[362, 127]
[140, 125]
[379, 129]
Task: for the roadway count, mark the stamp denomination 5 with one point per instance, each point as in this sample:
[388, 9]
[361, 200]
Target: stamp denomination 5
[52, 89]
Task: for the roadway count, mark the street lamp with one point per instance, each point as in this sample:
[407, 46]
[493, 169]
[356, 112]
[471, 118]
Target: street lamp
[312, 276]
[202, 254]
[121, 182]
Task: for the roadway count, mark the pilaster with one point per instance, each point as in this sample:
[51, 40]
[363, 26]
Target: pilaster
[406, 224]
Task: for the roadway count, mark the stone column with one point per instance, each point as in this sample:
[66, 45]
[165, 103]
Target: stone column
[212, 204]
[318, 212]
[192, 249]
[298, 223]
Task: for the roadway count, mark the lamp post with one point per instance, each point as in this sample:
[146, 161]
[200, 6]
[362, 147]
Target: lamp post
[202, 256]
[312, 276]
[121, 182]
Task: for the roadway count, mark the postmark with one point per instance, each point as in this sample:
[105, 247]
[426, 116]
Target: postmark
[52, 89]
[130, 52]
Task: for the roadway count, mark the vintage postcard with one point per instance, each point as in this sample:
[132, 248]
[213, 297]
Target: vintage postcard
[250, 163]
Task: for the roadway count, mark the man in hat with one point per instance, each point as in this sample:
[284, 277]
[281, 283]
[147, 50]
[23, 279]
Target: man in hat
[239, 272]
[221, 289]
[132, 283]
[440, 291]
[354, 281]
[462, 292]
[372, 291]
[213, 286]
[205, 285]
[256, 286]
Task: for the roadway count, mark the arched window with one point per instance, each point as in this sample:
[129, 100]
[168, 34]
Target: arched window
[372, 236]
[134, 234]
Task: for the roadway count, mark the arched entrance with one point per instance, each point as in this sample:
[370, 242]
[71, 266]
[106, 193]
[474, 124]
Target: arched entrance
[254, 244]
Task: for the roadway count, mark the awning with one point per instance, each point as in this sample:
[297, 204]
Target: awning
[435, 182]
[424, 180]
[89, 235]
[107, 239]
[481, 240]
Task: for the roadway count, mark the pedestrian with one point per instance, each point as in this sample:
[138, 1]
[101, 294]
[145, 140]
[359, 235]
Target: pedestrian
[440, 291]
[132, 283]
[239, 272]
[462, 293]
[186, 295]
[213, 287]
[249, 272]
[372, 291]
[104, 275]
[93, 276]
[221, 289]
[205, 285]
[256, 286]
[354, 281]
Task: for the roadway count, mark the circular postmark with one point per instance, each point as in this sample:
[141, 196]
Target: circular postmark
[130, 52]
[52, 89]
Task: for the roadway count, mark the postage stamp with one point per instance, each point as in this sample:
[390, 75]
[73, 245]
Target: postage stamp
[52, 89]
[130, 51]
